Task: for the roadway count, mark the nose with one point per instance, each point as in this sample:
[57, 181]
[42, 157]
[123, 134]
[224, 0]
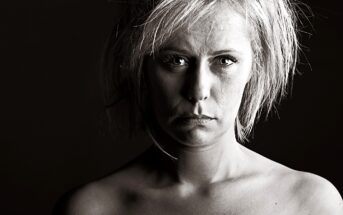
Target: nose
[198, 86]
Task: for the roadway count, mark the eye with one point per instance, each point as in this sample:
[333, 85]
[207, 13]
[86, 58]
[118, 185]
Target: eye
[225, 60]
[174, 60]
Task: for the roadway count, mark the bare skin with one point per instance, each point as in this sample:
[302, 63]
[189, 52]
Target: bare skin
[147, 186]
[195, 85]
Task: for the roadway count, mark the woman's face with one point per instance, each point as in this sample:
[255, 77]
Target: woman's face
[197, 79]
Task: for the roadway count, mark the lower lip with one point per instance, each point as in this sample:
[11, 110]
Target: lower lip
[194, 121]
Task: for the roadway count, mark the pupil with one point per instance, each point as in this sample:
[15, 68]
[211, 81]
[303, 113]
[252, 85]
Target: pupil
[179, 61]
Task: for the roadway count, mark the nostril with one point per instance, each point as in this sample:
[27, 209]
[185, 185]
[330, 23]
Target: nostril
[191, 99]
[195, 99]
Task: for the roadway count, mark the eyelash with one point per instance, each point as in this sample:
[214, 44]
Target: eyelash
[170, 61]
[225, 57]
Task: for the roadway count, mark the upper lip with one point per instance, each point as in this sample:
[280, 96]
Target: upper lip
[195, 116]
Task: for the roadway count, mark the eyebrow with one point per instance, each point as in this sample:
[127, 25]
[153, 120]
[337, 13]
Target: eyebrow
[173, 49]
[213, 53]
[225, 51]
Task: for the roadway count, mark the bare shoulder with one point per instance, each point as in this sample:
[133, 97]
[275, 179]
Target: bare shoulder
[111, 194]
[104, 196]
[92, 198]
[304, 192]
[317, 194]
[310, 193]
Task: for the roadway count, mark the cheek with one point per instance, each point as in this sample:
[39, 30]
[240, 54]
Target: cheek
[232, 87]
[164, 88]
[229, 95]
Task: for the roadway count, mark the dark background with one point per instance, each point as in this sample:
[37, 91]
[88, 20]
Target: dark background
[51, 102]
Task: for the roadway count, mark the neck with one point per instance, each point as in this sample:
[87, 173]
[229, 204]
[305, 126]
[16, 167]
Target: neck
[207, 164]
[210, 164]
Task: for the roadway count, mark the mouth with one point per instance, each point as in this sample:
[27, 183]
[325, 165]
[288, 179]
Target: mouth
[194, 120]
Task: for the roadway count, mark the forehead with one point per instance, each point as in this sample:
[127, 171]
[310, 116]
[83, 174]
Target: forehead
[222, 28]
[220, 18]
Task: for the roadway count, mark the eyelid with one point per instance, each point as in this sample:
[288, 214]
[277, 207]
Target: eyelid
[229, 57]
[167, 58]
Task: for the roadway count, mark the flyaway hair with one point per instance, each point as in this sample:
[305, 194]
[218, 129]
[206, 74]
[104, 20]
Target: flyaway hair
[149, 24]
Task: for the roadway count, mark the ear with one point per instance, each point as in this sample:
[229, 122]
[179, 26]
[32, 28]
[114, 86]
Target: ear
[249, 76]
[145, 83]
[253, 70]
[145, 74]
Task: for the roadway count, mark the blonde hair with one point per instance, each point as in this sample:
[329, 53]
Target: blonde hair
[149, 24]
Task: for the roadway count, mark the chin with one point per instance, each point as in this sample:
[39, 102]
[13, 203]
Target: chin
[202, 136]
[194, 138]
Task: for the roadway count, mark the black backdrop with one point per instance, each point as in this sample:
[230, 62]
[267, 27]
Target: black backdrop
[51, 102]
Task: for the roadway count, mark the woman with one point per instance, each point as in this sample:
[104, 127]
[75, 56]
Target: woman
[197, 74]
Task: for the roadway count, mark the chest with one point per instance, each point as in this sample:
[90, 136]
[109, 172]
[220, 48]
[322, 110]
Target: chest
[262, 203]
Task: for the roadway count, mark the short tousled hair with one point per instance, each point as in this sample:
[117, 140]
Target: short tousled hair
[148, 24]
